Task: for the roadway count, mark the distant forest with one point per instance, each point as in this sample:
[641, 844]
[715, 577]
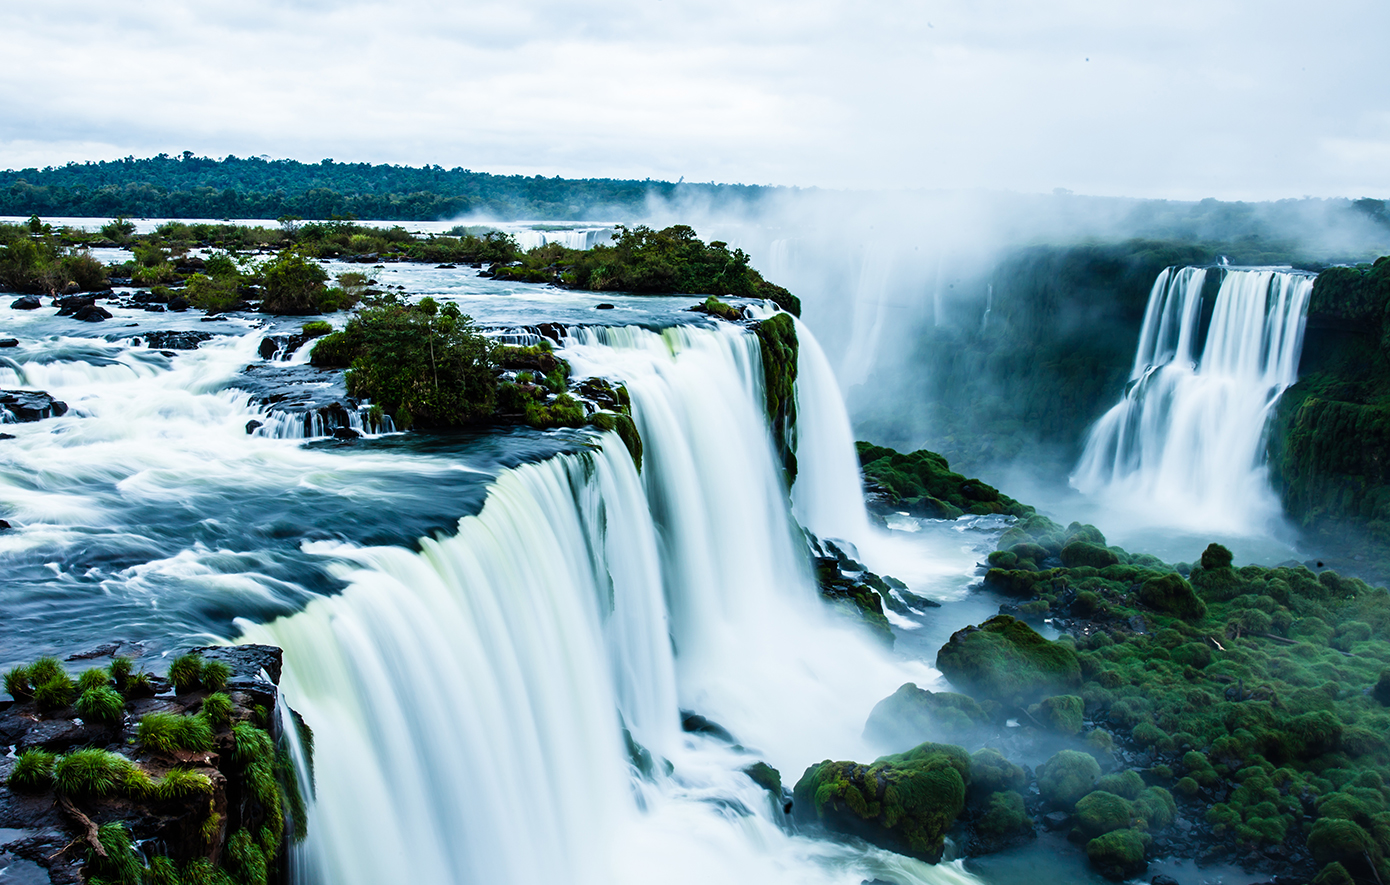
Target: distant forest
[199, 187]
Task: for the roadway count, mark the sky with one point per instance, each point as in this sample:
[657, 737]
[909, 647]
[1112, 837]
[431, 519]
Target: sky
[1185, 99]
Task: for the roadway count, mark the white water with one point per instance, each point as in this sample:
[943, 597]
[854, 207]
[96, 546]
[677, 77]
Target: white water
[468, 700]
[1185, 446]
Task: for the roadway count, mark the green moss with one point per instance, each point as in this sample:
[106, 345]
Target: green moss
[1061, 713]
[1119, 854]
[765, 776]
[777, 340]
[1333, 874]
[1006, 659]
[990, 773]
[904, 803]
[1341, 841]
[1099, 812]
[1084, 553]
[911, 715]
[923, 484]
[626, 429]
[1155, 808]
[1066, 777]
[1125, 784]
[1005, 816]
[1172, 595]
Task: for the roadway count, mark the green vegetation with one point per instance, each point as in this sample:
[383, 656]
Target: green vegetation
[1067, 777]
[1119, 855]
[215, 675]
[765, 776]
[922, 484]
[777, 340]
[170, 732]
[218, 709]
[91, 772]
[1005, 659]
[904, 803]
[912, 712]
[35, 259]
[33, 771]
[102, 704]
[186, 672]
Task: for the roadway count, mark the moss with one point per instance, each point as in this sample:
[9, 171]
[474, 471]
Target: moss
[1083, 553]
[626, 429]
[911, 715]
[1099, 812]
[1005, 816]
[1119, 854]
[904, 803]
[1125, 784]
[923, 484]
[1061, 713]
[1172, 595]
[1333, 874]
[1381, 691]
[1004, 658]
[990, 773]
[1155, 808]
[1066, 777]
[777, 340]
[1342, 841]
[765, 776]
[33, 771]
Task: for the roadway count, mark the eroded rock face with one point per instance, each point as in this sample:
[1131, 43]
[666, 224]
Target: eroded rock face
[30, 405]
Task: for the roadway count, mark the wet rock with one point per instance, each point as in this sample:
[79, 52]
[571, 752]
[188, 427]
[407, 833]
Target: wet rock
[170, 340]
[26, 302]
[9, 342]
[92, 314]
[697, 724]
[345, 433]
[5, 524]
[604, 306]
[70, 305]
[252, 425]
[247, 660]
[31, 405]
[178, 304]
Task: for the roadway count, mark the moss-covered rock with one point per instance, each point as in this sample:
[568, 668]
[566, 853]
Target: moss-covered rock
[1126, 784]
[911, 715]
[904, 803]
[1005, 659]
[765, 776]
[1118, 855]
[1083, 553]
[1099, 812]
[1172, 595]
[1066, 777]
[1005, 816]
[1341, 841]
[777, 340]
[1061, 713]
[990, 773]
[923, 484]
[1155, 808]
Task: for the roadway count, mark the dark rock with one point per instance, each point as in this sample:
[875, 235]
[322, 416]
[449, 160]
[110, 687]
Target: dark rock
[101, 651]
[7, 436]
[1055, 820]
[92, 314]
[31, 405]
[178, 304]
[4, 524]
[252, 425]
[345, 433]
[9, 342]
[247, 660]
[1161, 879]
[697, 724]
[163, 340]
[604, 306]
[72, 304]
[444, 267]
[26, 302]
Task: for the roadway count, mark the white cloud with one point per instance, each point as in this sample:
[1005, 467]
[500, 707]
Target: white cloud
[1183, 99]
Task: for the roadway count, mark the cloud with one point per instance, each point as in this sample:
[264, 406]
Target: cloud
[1184, 99]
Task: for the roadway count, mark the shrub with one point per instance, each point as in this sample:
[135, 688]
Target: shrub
[1155, 808]
[252, 744]
[1118, 854]
[1126, 784]
[54, 693]
[91, 772]
[120, 671]
[212, 294]
[18, 686]
[294, 285]
[316, 329]
[44, 669]
[1172, 595]
[167, 732]
[104, 704]
[1005, 815]
[33, 771]
[1332, 840]
[121, 864]
[186, 672]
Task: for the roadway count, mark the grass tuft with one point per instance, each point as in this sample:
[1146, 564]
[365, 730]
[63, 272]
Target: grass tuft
[91, 772]
[215, 675]
[167, 732]
[186, 672]
[33, 771]
[102, 704]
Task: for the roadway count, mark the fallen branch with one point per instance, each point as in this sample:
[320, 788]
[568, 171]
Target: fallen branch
[89, 828]
[1217, 644]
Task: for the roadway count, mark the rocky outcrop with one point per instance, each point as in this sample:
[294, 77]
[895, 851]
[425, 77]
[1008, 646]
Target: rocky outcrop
[29, 405]
[1006, 660]
[192, 767]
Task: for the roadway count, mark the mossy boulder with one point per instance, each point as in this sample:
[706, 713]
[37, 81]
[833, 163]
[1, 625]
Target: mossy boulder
[1083, 553]
[777, 339]
[765, 776]
[923, 484]
[1067, 776]
[1007, 660]
[1126, 784]
[1381, 692]
[1119, 854]
[1333, 874]
[991, 773]
[1172, 595]
[1341, 841]
[1155, 808]
[911, 715]
[904, 803]
[1099, 812]
[1060, 713]
[1004, 817]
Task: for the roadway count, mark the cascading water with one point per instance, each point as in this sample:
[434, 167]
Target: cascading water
[469, 700]
[1185, 445]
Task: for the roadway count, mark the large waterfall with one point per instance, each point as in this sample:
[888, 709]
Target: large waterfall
[470, 700]
[1185, 445]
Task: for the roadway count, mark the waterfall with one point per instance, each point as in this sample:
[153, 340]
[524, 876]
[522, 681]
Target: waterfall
[469, 700]
[1186, 443]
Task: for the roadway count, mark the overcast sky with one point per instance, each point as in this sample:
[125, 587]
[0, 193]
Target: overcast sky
[1182, 99]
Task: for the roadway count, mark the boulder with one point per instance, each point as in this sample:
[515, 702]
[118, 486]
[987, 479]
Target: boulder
[1060, 713]
[1067, 776]
[911, 715]
[31, 405]
[9, 342]
[1118, 855]
[92, 313]
[1099, 812]
[1172, 595]
[904, 803]
[71, 304]
[26, 302]
[1007, 660]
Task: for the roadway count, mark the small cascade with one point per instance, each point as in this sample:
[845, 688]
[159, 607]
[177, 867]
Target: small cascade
[578, 238]
[469, 701]
[1185, 445]
[320, 423]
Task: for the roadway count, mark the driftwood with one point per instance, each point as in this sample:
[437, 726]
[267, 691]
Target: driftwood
[89, 828]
